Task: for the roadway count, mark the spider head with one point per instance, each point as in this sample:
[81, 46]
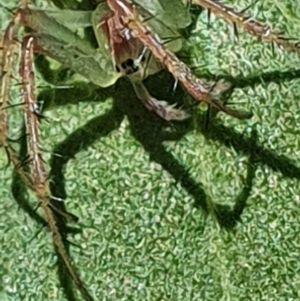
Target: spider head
[136, 62]
[131, 66]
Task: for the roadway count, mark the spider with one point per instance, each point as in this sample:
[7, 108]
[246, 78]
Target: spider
[136, 63]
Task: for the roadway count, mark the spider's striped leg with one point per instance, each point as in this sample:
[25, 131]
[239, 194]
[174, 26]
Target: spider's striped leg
[9, 49]
[133, 22]
[32, 169]
[131, 58]
[239, 20]
[36, 164]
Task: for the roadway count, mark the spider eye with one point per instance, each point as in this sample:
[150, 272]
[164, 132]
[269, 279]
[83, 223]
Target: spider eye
[143, 58]
[117, 69]
[130, 62]
[124, 65]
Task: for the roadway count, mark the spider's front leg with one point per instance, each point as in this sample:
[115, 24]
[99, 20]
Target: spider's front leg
[134, 23]
[32, 170]
[9, 49]
[133, 60]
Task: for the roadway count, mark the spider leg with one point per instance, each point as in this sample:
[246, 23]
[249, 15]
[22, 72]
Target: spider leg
[160, 107]
[32, 170]
[178, 69]
[37, 169]
[261, 31]
[9, 50]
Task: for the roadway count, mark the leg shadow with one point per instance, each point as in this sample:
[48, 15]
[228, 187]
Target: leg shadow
[148, 129]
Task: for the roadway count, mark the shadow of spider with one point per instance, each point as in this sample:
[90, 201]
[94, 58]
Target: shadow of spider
[149, 130]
